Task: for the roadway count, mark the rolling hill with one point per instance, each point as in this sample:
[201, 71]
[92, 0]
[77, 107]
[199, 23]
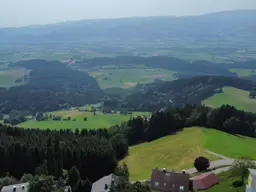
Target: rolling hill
[179, 151]
[224, 27]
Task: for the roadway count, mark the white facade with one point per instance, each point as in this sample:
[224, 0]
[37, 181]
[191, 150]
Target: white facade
[251, 186]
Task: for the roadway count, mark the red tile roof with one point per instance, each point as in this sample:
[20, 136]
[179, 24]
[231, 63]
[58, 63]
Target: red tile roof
[204, 181]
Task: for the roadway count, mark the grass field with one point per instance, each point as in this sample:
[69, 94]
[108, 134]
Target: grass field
[129, 77]
[232, 96]
[179, 151]
[98, 121]
[231, 145]
[172, 152]
[243, 72]
[9, 76]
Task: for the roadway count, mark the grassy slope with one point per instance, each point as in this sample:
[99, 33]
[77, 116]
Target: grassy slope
[232, 96]
[172, 152]
[129, 77]
[179, 151]
[229, 145]
[98, 121]
[243, 72]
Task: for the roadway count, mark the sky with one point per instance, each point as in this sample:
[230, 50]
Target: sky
[29, 12]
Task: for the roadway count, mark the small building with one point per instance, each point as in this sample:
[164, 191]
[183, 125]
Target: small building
[22, 187]
[169, 181]
[204, 181]
[104, 184]
[251, 186]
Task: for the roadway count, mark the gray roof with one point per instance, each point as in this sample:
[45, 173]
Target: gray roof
[99, 186]
[18, 187]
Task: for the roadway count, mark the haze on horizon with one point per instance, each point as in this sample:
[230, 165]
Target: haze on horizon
[14, 13]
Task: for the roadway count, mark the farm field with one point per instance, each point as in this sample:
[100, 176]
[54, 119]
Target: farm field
[232, 96]
[243, 72]
[100, 120]
[9, 76]
[129, 77]
[176, 152]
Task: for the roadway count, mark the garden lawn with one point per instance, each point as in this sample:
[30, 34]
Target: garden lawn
[225, 184]
[232, 96]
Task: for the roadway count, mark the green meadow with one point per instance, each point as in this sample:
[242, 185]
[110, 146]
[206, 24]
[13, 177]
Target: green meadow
[100, 120]
[9, 76]
[176, 152]
[243, 72]
[111, 76]
[232, 96]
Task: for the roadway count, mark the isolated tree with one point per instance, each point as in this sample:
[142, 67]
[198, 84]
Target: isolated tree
[201, 164]
[240, 168]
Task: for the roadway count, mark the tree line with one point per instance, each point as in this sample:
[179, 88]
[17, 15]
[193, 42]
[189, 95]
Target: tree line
[95, 153]
[194, 90]
[226, 118]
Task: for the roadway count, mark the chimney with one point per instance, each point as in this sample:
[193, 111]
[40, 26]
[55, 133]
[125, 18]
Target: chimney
[183, 171]
[164, 170]
[23, 187]
[14, 188]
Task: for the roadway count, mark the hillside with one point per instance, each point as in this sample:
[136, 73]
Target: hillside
[179, 151]
[232, 96]
[227, 26]
[183, 91]
[50, 86]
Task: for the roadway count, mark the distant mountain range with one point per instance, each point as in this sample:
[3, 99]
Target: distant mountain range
[218, 29]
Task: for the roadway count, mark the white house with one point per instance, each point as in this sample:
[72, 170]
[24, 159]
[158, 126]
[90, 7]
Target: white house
[251, 186]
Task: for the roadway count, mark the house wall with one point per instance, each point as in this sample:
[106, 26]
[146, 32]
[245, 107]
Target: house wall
[252, 182]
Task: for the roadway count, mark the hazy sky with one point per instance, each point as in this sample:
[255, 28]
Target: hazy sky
[27, 12]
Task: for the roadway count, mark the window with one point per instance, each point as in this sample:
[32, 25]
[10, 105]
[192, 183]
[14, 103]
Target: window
[182, 188]
[156, 183]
